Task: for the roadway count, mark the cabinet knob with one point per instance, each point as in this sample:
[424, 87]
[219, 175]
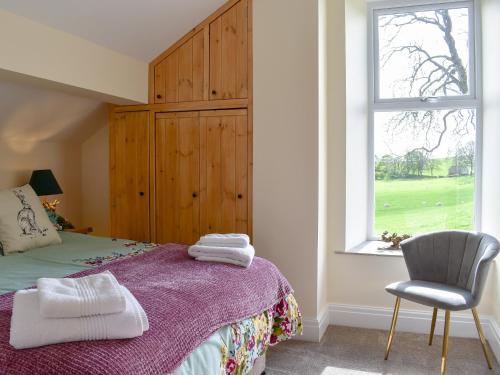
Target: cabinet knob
[240, 196]
[158, 96]
[141, 193]
[195, 195]
[214, 92]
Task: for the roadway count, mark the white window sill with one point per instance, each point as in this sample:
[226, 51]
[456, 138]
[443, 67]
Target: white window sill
[373, 248]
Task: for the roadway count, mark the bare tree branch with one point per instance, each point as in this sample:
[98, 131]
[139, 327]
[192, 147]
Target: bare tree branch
[453, 78]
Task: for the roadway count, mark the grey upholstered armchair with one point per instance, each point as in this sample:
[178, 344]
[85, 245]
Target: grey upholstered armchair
[448, 271]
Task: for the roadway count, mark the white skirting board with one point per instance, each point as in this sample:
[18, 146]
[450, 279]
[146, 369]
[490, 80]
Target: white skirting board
[416, 321]
[314, 329]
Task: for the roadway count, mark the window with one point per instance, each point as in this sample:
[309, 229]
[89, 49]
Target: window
[424, 127]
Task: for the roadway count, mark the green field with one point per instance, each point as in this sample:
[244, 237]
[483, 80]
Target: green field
[424, 204]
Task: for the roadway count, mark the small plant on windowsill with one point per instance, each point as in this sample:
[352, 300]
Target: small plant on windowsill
[394, 240]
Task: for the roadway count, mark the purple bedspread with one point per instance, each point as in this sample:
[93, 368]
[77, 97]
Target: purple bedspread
[186, 301]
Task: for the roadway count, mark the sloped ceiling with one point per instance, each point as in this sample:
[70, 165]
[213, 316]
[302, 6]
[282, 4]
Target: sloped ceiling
[138, 28]
[31, 113]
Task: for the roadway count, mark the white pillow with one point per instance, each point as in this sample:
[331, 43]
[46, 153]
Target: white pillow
[24, 224]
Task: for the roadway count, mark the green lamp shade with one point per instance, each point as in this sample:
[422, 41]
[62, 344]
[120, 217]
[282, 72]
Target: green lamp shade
[44, 183]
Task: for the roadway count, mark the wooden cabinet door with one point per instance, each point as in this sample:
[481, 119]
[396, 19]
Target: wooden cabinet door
[129, 175]
[183, 75]
[229, 54]
[177, 177]
[224, 171]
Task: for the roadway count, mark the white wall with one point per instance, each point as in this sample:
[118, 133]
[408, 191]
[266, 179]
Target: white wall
[286, 142]
[491, 134]
[356, 108]
[292, 119]
[19, 158]
[95, 181]
[360, 279]
[43, 129]
[322, 281]
[36, 50]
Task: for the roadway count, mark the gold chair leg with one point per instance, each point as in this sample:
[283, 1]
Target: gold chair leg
[482, 338]
[393, 327]
[444, 356]
[433, 325]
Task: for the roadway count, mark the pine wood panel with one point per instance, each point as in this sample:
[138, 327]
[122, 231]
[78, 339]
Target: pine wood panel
[159, 82]
[172, 78]
[242, 25]
[224, 171]
[227, 5]
[229, 53]
[200, 65]
[152, 177]
[216, 59]
[250, 117]
[185, 69]
[129, 175]
[182, 76]
[218, 53]
[177, 177]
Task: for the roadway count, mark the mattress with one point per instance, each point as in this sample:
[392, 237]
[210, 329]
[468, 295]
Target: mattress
[231, 349]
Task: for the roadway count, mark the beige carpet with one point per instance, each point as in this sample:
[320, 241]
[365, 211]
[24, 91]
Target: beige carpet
[358, 351]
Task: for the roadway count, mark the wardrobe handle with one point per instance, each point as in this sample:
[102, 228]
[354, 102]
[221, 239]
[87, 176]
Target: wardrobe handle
[214, 92]
[158, 96]
[141, 193]
[240, 196]
[195, 195]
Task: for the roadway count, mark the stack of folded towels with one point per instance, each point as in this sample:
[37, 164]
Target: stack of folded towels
[94, 307]
[233, 248]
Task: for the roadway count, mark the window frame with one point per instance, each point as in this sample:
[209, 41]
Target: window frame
[376, 104]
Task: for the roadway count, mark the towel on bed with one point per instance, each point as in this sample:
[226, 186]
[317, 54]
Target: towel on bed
[234, 255]
[86, 296]
[29, 329]
[225, 240]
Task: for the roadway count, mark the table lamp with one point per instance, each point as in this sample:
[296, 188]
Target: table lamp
[44, 183]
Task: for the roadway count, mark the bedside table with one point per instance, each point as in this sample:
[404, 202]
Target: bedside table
[81, 230]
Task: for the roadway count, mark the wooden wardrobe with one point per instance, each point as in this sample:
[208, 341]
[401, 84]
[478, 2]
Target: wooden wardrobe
[181, 166]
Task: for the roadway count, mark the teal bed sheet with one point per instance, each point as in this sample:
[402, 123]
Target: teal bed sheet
[79, 252]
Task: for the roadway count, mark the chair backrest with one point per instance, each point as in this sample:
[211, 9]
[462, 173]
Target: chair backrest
[455, 258]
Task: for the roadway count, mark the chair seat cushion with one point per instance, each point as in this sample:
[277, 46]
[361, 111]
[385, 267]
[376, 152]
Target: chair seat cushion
[432, 294]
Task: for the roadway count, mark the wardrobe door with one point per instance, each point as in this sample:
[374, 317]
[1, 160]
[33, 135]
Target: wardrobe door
[229, 54]
[224, 171]
[166, 79]
[182, 76]
[129, 175]
[177, 177]
[193, 68]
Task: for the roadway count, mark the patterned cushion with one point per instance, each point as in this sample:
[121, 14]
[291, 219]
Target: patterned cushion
[24, 224]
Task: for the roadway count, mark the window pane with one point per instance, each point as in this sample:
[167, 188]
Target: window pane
[424, 53]
[424, 170]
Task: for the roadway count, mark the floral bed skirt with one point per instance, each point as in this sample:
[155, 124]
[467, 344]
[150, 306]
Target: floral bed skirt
[250, 338]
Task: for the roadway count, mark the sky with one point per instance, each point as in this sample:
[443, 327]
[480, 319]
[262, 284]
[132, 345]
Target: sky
[400, 66]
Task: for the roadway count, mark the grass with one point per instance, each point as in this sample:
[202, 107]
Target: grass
[425, 204]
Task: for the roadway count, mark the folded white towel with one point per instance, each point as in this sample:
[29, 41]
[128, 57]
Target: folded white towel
[225, 240]
[28, 329]
[86, 296]
[224, 260]
[234, 255]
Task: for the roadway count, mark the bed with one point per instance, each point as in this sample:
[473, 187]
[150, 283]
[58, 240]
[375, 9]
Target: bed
[233, 348]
